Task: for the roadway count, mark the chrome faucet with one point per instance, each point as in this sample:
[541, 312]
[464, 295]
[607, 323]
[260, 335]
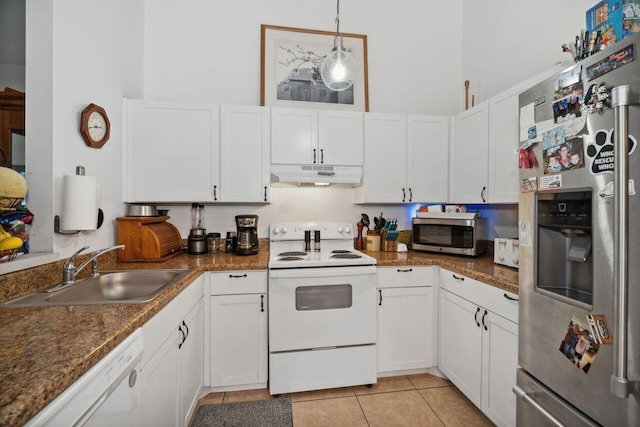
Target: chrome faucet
[69, 270]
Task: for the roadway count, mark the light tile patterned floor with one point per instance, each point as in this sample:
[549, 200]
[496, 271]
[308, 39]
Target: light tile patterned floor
[407, 400]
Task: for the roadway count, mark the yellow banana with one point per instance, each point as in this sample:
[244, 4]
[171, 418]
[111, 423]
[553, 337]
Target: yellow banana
[11, 243]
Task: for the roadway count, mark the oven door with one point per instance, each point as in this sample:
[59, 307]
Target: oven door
[313, 308]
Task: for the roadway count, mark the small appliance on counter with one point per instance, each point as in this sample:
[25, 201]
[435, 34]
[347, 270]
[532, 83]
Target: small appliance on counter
[460, 233]
[247, 235]
[197, 243]
[147, 238]
[505, 252]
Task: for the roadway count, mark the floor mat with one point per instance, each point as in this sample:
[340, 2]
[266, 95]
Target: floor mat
[259, 413]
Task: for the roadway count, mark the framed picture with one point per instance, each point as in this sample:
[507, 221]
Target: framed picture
[290, 61]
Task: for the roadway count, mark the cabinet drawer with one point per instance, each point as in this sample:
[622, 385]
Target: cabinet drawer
[405, 276]
[487, 296]
[238, 282]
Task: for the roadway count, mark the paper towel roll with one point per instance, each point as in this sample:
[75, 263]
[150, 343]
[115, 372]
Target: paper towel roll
[79, 203]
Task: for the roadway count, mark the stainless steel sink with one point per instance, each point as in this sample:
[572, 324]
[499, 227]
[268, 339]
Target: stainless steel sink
[110, 287]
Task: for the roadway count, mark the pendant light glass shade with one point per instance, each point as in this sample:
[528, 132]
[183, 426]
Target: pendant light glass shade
[338, 69]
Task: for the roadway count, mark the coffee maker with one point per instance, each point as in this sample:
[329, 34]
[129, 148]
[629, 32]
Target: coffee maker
[247, 234]
[197, 242]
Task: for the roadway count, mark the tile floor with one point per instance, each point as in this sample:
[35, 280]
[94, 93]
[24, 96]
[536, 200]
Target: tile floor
[407, 400]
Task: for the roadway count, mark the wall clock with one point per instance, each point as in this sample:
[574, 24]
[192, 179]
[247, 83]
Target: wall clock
[94, 126]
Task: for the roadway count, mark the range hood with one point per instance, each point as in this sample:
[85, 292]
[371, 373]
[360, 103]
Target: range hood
[316, 174]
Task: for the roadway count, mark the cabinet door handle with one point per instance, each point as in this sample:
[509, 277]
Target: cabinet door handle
[510, 298]
[265, 193]
[314, 155]
[262, 303]
[475, 316]
[410, 195]
[483, 316]
[184, 337]
[404, 195]
[482, 194]
[458, 278]
[215, 192]
[187, 328]
[232, 276]
[405, 271]
[380, 290]
[322, 155]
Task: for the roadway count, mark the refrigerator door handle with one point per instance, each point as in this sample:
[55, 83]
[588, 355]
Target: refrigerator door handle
[621, 98]
[526, 394]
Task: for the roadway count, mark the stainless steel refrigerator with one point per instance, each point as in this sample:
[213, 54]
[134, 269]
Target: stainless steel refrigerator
[579, 230]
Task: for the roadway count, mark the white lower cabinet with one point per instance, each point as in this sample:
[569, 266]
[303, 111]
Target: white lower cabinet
[478, 343]
[239, 352]
[172, 363]
[406, 319]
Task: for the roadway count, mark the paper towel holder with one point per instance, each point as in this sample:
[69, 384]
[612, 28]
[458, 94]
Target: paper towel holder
[56, 218]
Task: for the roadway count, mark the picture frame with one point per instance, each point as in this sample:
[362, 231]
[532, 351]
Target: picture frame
[290, 61]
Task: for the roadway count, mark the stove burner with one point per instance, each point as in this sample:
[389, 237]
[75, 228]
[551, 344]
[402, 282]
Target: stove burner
[340, 251]
[345, 255]
[290, 258]
[293, 253]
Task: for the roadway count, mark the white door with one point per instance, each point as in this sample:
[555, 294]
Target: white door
[504, 132]
[405, 325]
[385, 158]
[190, 362]
[239, 352]
[469, 156]
[427, 158]
[171, 152]
[294, 136]
[460, 344]
[329, 307]
[244, 154]
[160, 384]
[499, 364]
[341, 137]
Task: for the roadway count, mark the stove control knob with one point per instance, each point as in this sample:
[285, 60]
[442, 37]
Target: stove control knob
[276, 230]
[284, 229]
[340, 229]
[347, 229]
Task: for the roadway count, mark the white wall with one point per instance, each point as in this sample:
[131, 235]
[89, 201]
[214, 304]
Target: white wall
[505, 41]
[76, 59]
[204, 50]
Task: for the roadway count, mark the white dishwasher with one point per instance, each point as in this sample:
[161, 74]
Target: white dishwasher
[107, 395]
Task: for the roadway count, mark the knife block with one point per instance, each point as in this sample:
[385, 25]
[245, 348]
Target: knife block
[147, 239]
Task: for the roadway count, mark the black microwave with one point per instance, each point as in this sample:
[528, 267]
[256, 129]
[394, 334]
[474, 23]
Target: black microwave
[461, 236]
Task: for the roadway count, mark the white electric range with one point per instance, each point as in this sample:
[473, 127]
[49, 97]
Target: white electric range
[322, 309]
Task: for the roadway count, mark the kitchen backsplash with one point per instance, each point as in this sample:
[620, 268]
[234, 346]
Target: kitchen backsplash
[321, 204]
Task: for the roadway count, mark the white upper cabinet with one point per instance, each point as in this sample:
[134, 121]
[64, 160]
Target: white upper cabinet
[504, 128]
[171, 151]
[244, 146]
[405, 159]
[427, 158]
[470, 155]
[188, 152]
[385, 157]
[304, 136]
[294, 136]
[341, 137]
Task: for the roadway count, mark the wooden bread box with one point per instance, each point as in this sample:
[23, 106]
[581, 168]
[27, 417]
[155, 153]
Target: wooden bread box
[147, 238]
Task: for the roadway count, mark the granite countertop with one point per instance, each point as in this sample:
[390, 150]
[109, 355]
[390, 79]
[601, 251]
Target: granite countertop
[43, 350]
[481, 268]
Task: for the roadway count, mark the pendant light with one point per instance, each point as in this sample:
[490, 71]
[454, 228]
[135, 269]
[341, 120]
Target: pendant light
[338, 69]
